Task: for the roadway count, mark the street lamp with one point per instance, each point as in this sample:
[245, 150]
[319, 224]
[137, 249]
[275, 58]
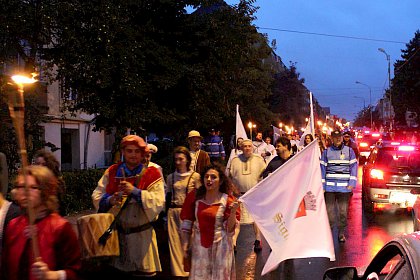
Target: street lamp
[364, 103]
[388, 58]
[250, 126]
[370, 101]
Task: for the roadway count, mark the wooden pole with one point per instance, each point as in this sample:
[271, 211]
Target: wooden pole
[17, 113]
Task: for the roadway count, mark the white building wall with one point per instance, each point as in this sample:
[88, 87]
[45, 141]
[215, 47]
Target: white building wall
[88, 149]
[53, 135]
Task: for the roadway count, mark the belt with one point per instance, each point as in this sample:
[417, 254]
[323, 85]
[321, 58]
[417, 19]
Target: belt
[173, 205]
[134, 229]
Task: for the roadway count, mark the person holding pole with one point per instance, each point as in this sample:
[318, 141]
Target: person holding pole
[58, 247]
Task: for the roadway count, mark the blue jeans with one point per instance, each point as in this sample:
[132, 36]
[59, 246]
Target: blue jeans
[341, 200]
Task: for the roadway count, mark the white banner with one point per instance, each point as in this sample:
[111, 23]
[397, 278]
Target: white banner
[240, 129]
[289, 208]
[310, 127]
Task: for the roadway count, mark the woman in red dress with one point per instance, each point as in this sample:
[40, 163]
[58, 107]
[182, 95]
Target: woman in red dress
[212, 214]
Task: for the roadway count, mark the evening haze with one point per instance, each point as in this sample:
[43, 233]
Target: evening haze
[331, 65]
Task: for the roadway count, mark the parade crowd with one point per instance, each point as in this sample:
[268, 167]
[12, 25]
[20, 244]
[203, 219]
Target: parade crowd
[198, 203]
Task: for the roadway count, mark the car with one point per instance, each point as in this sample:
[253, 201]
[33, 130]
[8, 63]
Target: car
[390, 173]
[399, 259]
[366, 143]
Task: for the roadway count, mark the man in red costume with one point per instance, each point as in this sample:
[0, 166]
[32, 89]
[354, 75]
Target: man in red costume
[144, 188]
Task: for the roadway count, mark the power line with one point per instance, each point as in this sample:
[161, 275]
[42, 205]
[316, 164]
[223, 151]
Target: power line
[331, 35]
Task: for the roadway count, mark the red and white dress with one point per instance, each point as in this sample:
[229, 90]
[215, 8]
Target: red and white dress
[211, 244]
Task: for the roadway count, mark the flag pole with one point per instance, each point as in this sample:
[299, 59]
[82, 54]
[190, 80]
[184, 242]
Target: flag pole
[312, 115]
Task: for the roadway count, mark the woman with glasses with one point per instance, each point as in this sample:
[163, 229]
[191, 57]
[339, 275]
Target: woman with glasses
[59, 254]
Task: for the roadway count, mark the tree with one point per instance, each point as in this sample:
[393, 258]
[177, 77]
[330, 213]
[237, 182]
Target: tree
[290, 96]
[149, 64]
[406, 83]
[25, 30]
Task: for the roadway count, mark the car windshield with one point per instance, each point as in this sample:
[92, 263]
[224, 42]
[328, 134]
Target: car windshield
[369, 139]
[394, 159]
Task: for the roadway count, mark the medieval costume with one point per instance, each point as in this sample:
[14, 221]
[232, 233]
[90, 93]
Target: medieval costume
[179, 184]
[212, 248]
[58, 247]
[137, 238]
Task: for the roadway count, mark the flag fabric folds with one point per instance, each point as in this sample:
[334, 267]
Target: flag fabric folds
[240, 129]
[239, 133]
[310, 128]
[289, 208]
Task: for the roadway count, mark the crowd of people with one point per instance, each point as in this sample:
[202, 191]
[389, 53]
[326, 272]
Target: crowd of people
[199, 200]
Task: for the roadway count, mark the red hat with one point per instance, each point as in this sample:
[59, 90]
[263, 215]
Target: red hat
[133, 140]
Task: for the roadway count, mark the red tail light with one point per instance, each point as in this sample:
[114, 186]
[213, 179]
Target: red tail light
[364, 145]
[377, 174]
[375, 135]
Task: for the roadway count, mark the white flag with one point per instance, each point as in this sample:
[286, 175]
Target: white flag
[307, 131]
[240, 129]
[292, 228]
[239, 133]
[310, 128]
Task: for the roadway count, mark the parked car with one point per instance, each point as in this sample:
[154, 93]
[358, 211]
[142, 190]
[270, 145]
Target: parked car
[366, 143]
[390, 173]
[399, 259]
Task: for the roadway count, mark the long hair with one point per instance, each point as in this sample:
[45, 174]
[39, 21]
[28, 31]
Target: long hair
[310, 137]
[183, 150]
[50, 161]
[226, 185]
[47, 183]
[237, 147]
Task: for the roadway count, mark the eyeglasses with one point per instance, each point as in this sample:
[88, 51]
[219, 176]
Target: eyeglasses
[33, 187]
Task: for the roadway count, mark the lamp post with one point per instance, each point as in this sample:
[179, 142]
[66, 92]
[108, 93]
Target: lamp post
[388, 58]
[17, 113]
[250, 126]
[364, 101]
[370, 102]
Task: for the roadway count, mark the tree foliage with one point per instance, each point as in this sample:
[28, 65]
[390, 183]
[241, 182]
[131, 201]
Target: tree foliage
[25, 30]
[289, 95]
[150, 64]
[406, 83]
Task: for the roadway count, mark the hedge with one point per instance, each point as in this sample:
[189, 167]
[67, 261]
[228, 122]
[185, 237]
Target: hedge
[79, 187]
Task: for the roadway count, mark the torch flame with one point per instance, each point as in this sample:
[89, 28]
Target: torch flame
[20, 79]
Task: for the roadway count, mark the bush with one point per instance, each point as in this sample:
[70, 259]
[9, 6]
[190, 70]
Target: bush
[79, 187]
